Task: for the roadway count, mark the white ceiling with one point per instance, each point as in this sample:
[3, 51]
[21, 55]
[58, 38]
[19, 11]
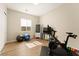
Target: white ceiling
[30, 8]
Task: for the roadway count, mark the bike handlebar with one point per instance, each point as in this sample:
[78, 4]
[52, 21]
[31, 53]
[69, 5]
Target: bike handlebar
[70, 34]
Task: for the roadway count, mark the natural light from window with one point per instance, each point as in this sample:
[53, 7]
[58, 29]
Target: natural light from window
[26, 22]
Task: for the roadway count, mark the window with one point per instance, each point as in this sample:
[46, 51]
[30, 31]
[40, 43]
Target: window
[25, 24]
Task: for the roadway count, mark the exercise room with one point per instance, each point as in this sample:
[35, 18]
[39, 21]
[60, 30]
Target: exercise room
[43, 29]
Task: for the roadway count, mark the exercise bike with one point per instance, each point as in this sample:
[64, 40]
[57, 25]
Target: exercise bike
[57, 48]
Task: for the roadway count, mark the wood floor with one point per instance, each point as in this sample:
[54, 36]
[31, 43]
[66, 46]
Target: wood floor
[20, 49]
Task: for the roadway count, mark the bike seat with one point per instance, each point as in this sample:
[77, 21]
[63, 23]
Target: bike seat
[69, 33]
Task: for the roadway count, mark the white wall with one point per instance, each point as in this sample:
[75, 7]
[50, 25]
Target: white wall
[64, 19]
[14, 27]
[3, 26]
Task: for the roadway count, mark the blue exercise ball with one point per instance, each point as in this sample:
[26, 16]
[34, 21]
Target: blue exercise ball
[26, 36]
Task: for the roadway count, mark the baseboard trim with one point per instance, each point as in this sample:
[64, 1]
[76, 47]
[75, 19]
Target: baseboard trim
[10, 41]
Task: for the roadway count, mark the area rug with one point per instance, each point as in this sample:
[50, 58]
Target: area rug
[33, 44]
[37, 43]
[30, 45]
